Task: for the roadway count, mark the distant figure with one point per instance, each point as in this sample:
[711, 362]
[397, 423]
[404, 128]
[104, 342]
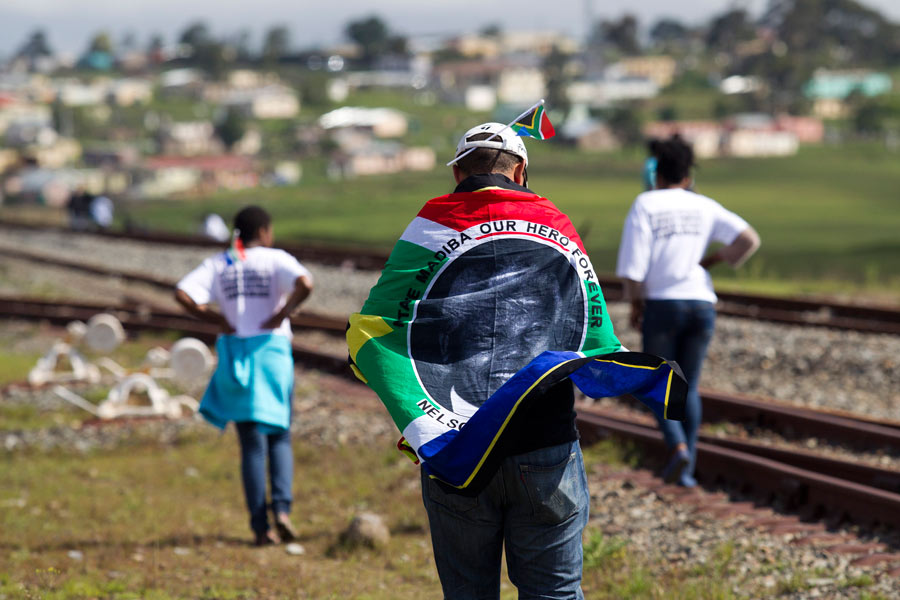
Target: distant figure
[214, 227]
[665, 274]
[79, 209]
[649, 171]
[101, 211]
[256, 288]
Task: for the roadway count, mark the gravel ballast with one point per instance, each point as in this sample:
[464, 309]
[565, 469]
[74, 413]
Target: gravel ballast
[808, 366]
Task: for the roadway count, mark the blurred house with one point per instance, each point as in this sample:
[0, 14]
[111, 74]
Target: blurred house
[600, 93]
[250, 143]
[189, 138]
[540, 43]
[27, 87]
[8, 159]
[13, 111]
[337, 89]
[704, 136]
[455, 78]
[285, 172]
[257, 95]
[245, 79]
[273, 101]
[830, 108]
[378, 158]
[589, 135]
[62, 151]
[745, 143]
[160, 176]
[391, 72]
[130, 91]
[521, 85]
[379, 122]
[474, 45]
[515, 80]
[740, 84]
[182, 82]
[72, 92]
[21, 133]
[117, 157]
[837, 85]
[743, 136]
[809, 130]
[658, 69]
[132, 61]
[480, 98]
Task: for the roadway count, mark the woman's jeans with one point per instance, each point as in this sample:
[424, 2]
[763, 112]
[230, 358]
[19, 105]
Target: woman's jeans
[537, 504]
[681, 330]
[255, 448]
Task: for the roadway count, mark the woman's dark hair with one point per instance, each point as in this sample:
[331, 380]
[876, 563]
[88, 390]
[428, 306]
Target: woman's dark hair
[675, 158]
[653, 146]
[249, 221]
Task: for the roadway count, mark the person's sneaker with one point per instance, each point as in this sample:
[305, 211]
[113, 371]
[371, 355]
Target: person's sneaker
[687, 481]
[285, 528]
[672, 471]
[267, 538]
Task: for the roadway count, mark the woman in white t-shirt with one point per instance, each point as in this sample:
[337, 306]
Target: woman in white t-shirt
[661, 261]
[256, 287]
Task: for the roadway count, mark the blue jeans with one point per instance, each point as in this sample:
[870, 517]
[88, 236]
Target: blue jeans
[681, 330]
[255, 448]
[537, 504]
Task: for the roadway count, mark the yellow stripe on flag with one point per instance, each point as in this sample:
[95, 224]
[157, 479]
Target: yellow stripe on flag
[668, 389]
[364, 328]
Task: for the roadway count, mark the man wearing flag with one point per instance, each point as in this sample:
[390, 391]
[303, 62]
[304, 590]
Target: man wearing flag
[487, 311]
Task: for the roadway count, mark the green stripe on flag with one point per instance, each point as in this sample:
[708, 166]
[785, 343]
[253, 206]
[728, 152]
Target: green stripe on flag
[398, 380]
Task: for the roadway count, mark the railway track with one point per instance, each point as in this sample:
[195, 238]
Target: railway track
[810, 483]
[143, 317]
[791, 311]
[815, 486]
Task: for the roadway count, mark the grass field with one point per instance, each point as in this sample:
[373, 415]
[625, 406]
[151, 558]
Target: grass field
[158, 521]
[829, 217]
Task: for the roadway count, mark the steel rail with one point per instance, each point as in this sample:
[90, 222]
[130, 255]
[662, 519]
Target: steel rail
[139, 308]
[359, 257]
[795, 421]
[140, 318]
[791, 311]
[815, 494]
[862, 473]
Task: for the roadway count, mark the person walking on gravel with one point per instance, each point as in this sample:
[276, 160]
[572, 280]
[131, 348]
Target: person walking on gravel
[487, 311]
[665, 274]
[256, 288]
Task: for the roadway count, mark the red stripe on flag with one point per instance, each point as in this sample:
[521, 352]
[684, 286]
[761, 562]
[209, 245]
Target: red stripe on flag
[464, 210]
[547, 130]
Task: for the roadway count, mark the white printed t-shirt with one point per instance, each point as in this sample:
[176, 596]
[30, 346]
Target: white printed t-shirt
[248, 292]
[664, 239]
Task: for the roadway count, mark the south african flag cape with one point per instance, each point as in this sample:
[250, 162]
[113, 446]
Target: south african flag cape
[487, 300]
[535, 124]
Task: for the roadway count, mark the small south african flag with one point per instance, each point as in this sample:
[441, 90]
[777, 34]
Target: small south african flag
[535, 124]
[236, 252]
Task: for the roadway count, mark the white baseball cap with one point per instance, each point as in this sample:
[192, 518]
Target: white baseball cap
[505, 139]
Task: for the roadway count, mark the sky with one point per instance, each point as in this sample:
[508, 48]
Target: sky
[69, 24]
